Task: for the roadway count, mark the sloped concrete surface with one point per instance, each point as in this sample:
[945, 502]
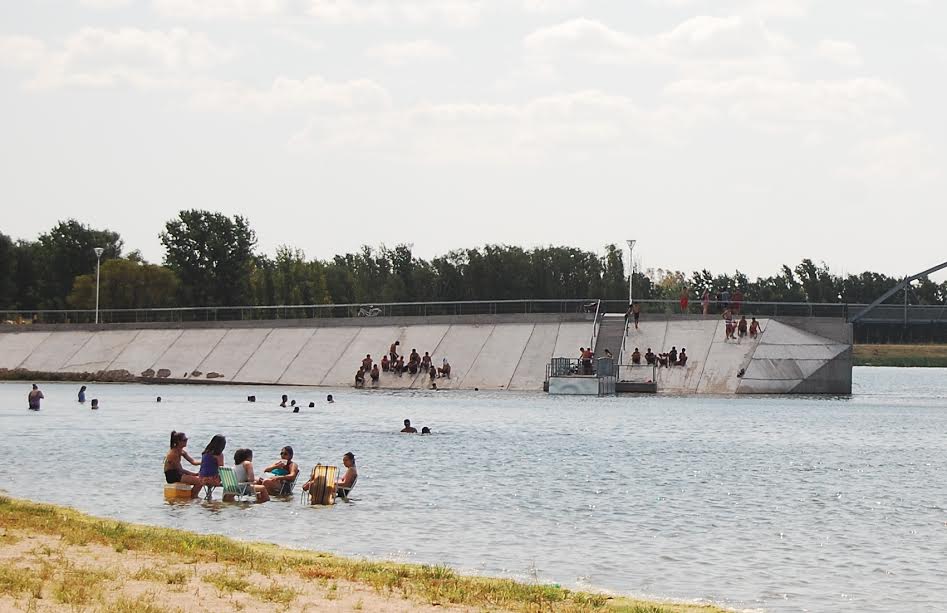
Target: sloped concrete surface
[530, 373]
[147, 347]
[499, 357]
[17, 346]
[232, 352]
[268, 363]
[186, 353]
[57, 349]
[99, 351]
[318, 356]
[488, 356]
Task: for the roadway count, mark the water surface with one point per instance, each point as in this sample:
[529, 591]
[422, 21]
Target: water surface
[772, 503]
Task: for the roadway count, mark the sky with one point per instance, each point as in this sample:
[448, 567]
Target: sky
[719, 134]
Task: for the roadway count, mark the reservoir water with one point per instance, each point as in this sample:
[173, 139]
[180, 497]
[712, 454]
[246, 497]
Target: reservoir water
[766, 503]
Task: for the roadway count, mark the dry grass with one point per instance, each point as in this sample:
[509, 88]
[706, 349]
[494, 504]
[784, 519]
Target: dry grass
[84, 563]
[901, 355]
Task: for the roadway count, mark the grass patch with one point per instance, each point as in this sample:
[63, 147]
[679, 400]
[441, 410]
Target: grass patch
[19, 581]
[79, 587]
[438, 584]
[142, 604]
[227, 582]
[167, 577]
[900, 355]
[275, 593]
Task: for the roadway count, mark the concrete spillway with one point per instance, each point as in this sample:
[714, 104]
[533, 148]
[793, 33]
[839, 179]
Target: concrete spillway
[803, 356]
[482, 355]
[503, 352]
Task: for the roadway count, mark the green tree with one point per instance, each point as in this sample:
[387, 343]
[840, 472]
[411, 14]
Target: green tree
[212, 255]
[8, 261]
[65, 252]
[126, 284]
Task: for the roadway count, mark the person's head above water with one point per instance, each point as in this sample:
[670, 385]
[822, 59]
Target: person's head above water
[35, 387]
[407, 423]
[425, 430]
[82, 389]
[178, 438]
[329, 398]
[216, 445]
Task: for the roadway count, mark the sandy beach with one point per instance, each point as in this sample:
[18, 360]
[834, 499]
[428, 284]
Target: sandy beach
[57, 559]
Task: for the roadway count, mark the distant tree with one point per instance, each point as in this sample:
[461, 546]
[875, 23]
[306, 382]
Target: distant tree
[65, 252]
[8, 261]
[212, 255]
[126, 284]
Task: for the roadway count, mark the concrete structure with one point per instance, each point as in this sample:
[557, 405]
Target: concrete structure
[805, 356]
[485, 352]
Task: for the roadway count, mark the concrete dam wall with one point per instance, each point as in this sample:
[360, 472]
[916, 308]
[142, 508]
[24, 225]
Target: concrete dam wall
[805, 356]
[790, 356]
[482, 355]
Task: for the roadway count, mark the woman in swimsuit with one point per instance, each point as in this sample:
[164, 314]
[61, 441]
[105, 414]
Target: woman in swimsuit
[243, 471]
[173, 471]
[284, 473]
[211, 461]
[351, 474]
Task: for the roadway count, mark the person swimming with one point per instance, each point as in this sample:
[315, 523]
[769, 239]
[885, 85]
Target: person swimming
[82, 394]
[408, 428]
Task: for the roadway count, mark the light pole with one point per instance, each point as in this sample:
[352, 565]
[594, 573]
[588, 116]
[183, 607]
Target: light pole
[631, 272]
[98, 262]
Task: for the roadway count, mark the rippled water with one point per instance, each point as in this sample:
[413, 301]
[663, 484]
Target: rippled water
[781, 504]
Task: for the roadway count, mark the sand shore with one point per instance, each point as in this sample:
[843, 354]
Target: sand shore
[57, 559]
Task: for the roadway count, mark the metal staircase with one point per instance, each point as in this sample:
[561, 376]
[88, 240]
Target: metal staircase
[611, 333]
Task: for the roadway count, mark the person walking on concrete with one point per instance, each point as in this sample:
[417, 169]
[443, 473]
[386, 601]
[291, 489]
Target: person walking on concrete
[636, 313]
[685, 299]
[705, 302]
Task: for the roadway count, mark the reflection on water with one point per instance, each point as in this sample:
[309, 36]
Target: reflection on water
[782, 504]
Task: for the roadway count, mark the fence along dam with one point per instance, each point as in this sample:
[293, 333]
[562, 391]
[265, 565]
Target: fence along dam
[487, 352]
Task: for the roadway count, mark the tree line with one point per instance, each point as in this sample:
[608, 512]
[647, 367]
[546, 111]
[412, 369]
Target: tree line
[212, 260]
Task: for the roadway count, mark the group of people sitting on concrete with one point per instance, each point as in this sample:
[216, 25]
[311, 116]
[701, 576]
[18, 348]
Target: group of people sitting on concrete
[277, 479]
[737, 331]
[664, 360]
[395, 364]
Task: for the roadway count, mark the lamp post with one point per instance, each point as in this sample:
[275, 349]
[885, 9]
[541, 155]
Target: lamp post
[98, 262]
[631, 272]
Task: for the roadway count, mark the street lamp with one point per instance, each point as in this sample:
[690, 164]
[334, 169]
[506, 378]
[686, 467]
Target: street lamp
[631, 272]
[98, 262]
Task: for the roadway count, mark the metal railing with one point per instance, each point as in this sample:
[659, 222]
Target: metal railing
[304, 311]
[638, 373]
[886, 313]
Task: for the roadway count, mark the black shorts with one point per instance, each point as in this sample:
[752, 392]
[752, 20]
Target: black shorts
[172, 476]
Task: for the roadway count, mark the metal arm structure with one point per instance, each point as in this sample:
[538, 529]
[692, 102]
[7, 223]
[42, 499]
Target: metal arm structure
[894, 290]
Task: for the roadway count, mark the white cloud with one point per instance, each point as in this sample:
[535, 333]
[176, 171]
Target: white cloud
[21, 51]
[792, 101]
[460, 13]
[287, 94]
[220, 9]
[103, 4]
[95, 57]
[839, 52]
[400, 54]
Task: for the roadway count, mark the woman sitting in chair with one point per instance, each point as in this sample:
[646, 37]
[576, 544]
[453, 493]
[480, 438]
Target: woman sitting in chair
[211, 461]
[243, 471]
[173, 471]
[343, 485]
[283, 474]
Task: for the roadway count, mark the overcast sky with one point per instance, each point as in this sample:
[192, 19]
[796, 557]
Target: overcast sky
[720, 134]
